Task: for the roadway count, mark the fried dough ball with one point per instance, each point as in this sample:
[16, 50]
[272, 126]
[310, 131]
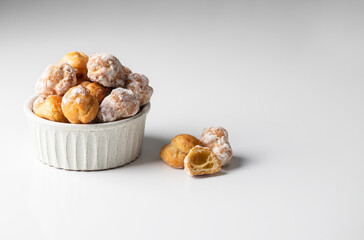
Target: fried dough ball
[139, 84]
[96, 90]
[78, 60]
[79, 105]
[216, 138]
[200, 161]
[106, 70]
[174, 153]
[80, 80]
[56, 80]
[120, 103]
[49, 108]
[126, 70]
[84, 83]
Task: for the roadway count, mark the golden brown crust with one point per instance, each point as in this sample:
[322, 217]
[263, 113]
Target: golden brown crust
[79, 105]
[80, 80]
[185, 142]
[84, 83]
[78, 60]
[96, 90]
[49, 108]
[172, 156]
[200, 161]
[174, 153]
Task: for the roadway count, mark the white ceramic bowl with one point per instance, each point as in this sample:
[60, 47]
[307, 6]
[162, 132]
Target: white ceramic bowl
[87, 147]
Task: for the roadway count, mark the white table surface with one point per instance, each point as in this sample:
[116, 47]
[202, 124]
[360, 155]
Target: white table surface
[284, 78]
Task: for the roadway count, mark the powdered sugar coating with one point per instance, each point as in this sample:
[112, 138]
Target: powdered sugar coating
[139, 84]
[106, 69]
[75, 93]
[126, 70]
[56, 80]
[121, 103]
[217, 139]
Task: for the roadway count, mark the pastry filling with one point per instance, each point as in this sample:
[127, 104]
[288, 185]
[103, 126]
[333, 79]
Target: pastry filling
[201, 160]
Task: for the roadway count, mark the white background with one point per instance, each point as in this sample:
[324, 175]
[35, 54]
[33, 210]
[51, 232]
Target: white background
[285, 79]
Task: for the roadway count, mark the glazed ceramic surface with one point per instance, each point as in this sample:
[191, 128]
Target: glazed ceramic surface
[87, 147]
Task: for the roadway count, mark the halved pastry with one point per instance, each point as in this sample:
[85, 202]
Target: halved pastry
[200, 161]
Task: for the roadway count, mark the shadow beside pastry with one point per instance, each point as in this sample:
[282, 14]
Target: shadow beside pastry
[219, 173]
[236, 162]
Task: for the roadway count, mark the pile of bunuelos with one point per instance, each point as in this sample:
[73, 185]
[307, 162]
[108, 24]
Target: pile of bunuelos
[82, 89]
[199, 157]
